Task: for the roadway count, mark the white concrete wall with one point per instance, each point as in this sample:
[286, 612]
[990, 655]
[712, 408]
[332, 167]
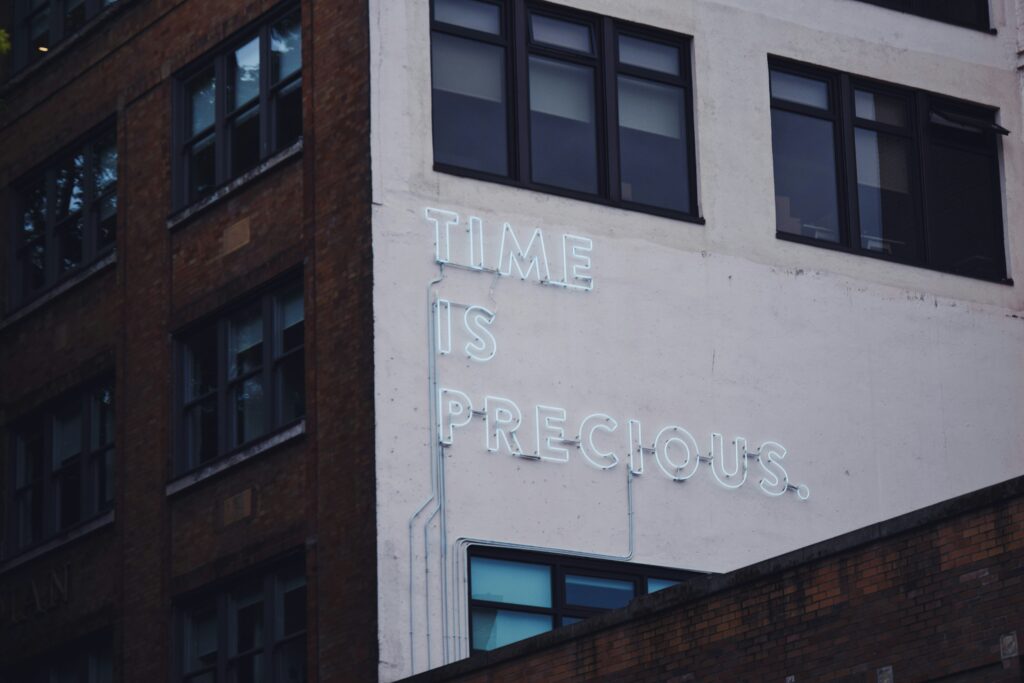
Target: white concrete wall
[892, 387]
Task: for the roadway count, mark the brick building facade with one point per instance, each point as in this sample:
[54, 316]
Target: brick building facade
[109, 585]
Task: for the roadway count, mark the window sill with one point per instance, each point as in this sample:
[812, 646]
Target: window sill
[213, 469]
[27, 309]
[69, 536]
[831, 246]
[554, 191]
[189, 212]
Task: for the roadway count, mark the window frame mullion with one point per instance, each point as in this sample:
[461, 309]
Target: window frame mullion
[224, 422]
[849, 220]
[519, 45]
[221, 143]
[266, 130]
[608, 75]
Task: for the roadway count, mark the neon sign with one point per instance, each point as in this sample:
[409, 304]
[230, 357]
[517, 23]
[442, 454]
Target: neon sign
[675, 451]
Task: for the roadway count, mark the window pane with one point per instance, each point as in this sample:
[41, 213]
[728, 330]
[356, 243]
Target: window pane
[250, 410]
[652, 144]
[70, 191]
[807, 91]
[655, 585]
[102, 479]
[202, 174]
[291, 381]
[29, 465]
[201, 640]
[886, 205]
[245, 141]
[964, 218]
[291, 662]
[102, 413]
[493, 628]
[471, 14]
[33, 266]
[246, 670]
[105, 170]
[247, 621]
[288, 114]
[74, 15]
[560, 33]
[30, 514]
[201, 425]
[806, 201]
[69, 496]
[33, 221]
[563, 132]
[245, 73]
[649, 55]
[292, 320]
[591, 591]
[245, 342]
[201, 363]
[293, 605]
[469, 109]
[286, 47]
[106, 222]
[67, 434]
[201, 95]
[882, 108]
[69, 245]
[519, 583]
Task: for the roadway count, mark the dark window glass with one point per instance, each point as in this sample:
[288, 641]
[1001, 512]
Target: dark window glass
[648, 54]
[884, 198]
[228, 636]
[62, 466]
[968, 13]
[515, 595]
[560, 33]
[471, 14]
[963, 211]
[563, 127]
[652, 144]
[560, 101]
[806, 200]
[236, 386]
[74, 15]
[856, 179]
[469, 109]
[599, 592]
[66, 216]
[226, 129]
[40, 25]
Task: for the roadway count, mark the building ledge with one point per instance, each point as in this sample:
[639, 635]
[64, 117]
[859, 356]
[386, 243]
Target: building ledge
[213, 469]
[188, 213]
[66, 538]
[78, 278]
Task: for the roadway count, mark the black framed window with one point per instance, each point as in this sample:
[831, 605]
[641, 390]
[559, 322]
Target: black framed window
[41, 24]
[238, 106]
[886, 171]
[516, 594]
[968, 13]
[65, 215]
[86, 661]
[242, 376]
[253, 631]
[564, 102]
[61, 467]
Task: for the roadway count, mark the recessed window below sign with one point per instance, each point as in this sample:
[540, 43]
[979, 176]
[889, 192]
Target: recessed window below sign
[518, 594]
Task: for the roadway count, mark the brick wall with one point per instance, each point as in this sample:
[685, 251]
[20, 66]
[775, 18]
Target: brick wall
[930, 595]
[309, 215]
